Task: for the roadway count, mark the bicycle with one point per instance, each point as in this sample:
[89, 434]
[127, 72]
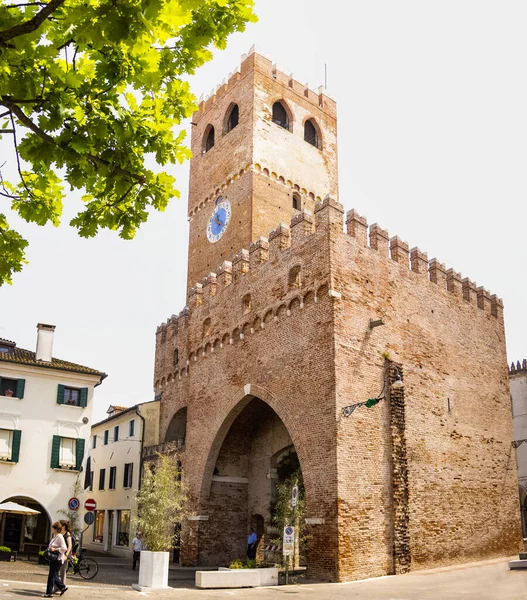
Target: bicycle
[84, 566]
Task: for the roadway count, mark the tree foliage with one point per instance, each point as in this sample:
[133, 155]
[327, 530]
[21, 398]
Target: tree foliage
[161, 504]
[89, 89]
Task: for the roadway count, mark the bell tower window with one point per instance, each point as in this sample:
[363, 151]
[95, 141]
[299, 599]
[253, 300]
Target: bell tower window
[232, 119]
[297, 201]
[310, 133]
[280, 115]
[208, 139]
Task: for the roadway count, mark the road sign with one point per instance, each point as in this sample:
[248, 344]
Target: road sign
[90, 504]
[73, 503]
[289, 540]
[294, 496]
[89, 518]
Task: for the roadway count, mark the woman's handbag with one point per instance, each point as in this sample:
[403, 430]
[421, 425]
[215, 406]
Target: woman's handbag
[50, 555]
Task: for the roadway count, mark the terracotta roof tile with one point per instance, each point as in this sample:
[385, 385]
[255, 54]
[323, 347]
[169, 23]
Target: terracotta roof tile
[27, 357]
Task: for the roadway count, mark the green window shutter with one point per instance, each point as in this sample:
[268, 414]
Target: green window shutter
[55, 452]
[60, 394]
[79, 455]
[84, 397]
[15, 450]
[20, 386]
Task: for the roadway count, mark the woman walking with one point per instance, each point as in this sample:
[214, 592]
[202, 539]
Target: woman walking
[58, 548]
[66, 534]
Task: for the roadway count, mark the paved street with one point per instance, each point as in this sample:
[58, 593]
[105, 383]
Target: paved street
[489, 580]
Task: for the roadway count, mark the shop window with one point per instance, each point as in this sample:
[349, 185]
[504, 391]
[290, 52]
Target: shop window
[98, 530]
[123, 528]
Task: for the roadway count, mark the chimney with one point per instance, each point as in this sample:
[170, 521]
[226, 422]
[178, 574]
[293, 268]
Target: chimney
[45, 342]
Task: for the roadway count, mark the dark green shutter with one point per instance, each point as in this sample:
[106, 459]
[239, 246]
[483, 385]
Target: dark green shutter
[55, 452]
[20, 386]
[79, 455]
[60, 394]
[15, 449]
[84, 397]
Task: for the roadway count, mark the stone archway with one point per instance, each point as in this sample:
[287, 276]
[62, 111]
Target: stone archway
[20, 532]
[238, 481]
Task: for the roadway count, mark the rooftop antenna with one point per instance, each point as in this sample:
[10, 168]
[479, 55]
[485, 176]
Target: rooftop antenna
[326, 76]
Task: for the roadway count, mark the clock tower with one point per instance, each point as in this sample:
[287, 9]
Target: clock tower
[264, 147]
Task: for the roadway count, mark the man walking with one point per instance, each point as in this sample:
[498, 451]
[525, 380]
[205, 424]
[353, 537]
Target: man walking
[251, 545]
[137, 545]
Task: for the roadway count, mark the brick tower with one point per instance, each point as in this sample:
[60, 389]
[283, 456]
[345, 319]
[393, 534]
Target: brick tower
[379, 374]
[267, 145]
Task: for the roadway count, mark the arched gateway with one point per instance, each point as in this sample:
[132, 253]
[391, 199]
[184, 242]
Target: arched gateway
[239, 482]
[24, 532]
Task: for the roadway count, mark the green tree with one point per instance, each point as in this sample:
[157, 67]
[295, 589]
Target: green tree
[160, 504]
[89, 89]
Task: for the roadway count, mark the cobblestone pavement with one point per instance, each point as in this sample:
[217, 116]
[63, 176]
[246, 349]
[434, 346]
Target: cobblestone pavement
[489, 580]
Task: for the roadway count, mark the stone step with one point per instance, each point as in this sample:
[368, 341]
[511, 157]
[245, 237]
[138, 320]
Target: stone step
[518, 564]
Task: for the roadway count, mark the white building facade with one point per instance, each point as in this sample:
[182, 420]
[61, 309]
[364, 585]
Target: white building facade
[116, 447]
[45, 420]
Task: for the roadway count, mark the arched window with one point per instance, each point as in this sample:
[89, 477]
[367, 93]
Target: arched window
[310, 133]
[208, 139]
[280, 115]
[297, 201]
[233, 119]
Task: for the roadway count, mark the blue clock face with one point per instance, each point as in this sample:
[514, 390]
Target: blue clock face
[218, 221]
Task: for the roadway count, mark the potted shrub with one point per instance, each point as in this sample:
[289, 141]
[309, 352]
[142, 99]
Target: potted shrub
[6, 555]
[160, 505]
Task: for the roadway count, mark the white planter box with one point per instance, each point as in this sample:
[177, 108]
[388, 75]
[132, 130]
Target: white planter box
[153, 571]
[237, 578]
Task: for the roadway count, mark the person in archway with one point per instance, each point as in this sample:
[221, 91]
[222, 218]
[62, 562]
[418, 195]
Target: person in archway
[252, 542]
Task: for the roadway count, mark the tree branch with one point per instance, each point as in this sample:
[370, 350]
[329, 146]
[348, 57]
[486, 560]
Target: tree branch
[23, 118]
[32, 24]
[25, 4]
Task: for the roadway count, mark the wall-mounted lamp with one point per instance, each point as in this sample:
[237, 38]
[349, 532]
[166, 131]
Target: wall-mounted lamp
[398, 384]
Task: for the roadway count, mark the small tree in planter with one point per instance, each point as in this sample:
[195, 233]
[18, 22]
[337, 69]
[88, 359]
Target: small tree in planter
[6, 554]
[161, 504]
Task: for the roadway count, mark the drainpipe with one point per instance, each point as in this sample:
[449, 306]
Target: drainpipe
[142, 445]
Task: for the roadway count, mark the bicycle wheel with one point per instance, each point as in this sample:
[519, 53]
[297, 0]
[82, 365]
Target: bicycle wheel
[87, 568]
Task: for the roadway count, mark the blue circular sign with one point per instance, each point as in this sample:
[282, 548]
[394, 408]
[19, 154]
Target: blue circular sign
[289, 530]
[89, 518]
[73, 503]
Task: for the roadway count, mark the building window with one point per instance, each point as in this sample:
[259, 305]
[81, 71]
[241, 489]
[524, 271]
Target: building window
[116, 433]
[102, 477]
[295, 280]
[128, 475]
[106, 438]
[123, 527]
[12, 388]
[10, 444]
[131, 428]
[297, 201]
[72, 396]
[113, 476]
[67, 453]
[208, 139]
[98, 530]
[280, 115]
[233, 118]
[94, 442]
[90, 488]
[246, 303]
[310, 133]
[176, 357]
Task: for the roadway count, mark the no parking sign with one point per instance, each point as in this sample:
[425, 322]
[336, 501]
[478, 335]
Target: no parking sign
[74, 503]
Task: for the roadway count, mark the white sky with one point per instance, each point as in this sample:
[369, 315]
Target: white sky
[432, 126]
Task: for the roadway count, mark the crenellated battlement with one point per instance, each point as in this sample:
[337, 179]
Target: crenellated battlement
[319, 98]
[247, 309]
